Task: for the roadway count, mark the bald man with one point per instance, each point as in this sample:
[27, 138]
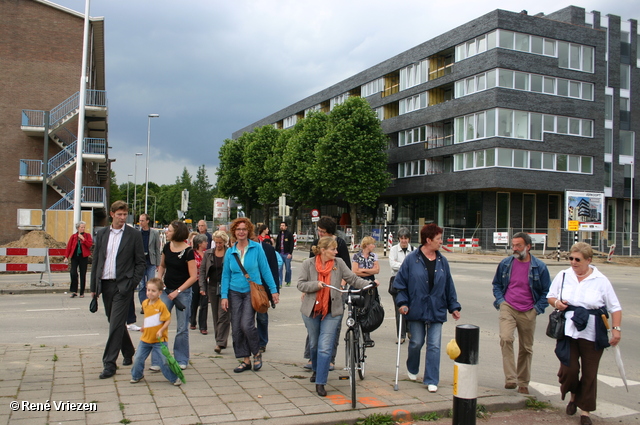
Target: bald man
[202, 229]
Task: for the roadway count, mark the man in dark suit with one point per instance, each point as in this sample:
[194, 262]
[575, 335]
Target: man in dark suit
[118, 265]
[284, 246]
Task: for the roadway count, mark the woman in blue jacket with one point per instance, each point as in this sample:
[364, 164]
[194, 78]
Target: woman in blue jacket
[425, 294]
[235, 292]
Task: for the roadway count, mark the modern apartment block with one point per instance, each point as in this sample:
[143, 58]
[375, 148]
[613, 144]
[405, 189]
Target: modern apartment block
[40, 67]
[490, 123]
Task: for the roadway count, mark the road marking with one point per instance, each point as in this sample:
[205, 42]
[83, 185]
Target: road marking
[56, 309]
[64, 336]
[544, 389]
[610, 410]
[615, 382]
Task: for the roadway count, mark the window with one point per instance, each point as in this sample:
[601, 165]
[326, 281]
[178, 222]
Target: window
[505, 157]
[520, 158]
[506, 39]
[505, 122]
[505, 78]
[537, 45]
[563, 87]
[627, 142]
[608, 140]
[625, 76]
[529, 212]
[521, 81]
[535, 131]
[608, 107]
[502, 210]
[575, 56]
[535, 160]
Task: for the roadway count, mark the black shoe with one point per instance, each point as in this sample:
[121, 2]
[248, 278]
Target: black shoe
[107, 373]
[263, 349]
[321, 391]
[313, 377]
[369, 343]
[128, 361]
[242, 367]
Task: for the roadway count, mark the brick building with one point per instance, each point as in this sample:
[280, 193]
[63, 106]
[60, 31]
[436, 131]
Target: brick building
[40, 67]
[491, 123]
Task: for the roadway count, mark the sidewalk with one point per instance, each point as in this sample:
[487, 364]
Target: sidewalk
[279, 394]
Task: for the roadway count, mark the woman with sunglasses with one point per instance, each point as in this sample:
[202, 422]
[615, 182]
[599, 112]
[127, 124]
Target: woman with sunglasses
[587, 297]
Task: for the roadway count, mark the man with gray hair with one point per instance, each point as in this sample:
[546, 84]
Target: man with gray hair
[520, 287]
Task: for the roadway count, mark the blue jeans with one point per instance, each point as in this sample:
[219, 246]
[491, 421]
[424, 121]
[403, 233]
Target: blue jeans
[144, 349]
[262, 323]
[287, 268]
[433, 332]
[149, 273]
[322, 334]
[181, 342]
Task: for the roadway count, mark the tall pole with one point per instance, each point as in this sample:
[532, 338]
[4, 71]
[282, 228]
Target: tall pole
[45, 170]
[146, 191]
[128, 181]
[77, 194]
[135, 186]
[631, 210]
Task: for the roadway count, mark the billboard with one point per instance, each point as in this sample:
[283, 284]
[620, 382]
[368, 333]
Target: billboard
[587, 208]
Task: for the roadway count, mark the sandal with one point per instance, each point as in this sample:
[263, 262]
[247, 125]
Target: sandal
[242, 367]
[257, 362]
[73, 295]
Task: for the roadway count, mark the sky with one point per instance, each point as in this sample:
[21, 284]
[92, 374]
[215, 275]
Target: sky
[212, 67]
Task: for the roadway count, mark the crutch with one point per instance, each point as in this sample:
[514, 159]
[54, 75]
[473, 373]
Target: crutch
[395, 387]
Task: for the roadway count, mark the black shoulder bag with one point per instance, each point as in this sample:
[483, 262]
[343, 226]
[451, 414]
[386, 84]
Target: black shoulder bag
[555, 328]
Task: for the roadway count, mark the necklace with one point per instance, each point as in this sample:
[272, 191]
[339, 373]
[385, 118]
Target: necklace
[586, 273]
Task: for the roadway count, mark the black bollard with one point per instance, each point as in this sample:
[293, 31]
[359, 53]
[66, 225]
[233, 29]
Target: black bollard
[465, 375]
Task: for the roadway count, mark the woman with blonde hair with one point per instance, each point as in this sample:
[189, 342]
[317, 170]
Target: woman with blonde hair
[322, 308]
[365, 265]
[210, 284]
[587, 297]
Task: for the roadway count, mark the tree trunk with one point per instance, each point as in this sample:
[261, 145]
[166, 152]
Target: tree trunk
[353, 212]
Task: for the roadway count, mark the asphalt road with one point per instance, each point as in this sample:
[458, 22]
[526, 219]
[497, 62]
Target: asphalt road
[56, 319]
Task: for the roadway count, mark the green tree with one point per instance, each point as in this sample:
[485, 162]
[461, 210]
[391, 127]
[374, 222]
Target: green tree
[351, 159]
[115, 194]
[201, 196]
[231, 159]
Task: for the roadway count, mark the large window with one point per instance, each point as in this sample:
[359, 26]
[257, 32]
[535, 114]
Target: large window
[414, 74]
[627, 143]
[372, 87]
[420, 167]
[523, 159]
[575, 56]
[435, 135]
[524, 81]
[413, 103]
[517, 124]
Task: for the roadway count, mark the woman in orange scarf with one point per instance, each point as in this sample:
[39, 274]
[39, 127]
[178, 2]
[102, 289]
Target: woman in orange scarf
[322, 308]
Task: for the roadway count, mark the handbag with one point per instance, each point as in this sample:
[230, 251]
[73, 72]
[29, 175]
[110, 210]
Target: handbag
[393, 291]
[372, 315]
[259, 297]
[555, 328]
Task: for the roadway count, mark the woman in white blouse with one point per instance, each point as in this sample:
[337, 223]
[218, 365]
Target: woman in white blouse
[587, 297]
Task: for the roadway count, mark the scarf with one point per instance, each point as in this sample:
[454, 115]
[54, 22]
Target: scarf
[322, 296]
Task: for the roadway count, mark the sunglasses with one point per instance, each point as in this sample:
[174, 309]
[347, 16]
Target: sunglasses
[577, 260]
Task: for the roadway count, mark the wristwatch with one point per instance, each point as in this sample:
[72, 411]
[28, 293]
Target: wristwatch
[617, 328]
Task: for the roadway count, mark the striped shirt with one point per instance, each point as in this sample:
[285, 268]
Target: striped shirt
[115, 236]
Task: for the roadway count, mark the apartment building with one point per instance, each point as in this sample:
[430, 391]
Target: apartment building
[40, 67]
[491, 123]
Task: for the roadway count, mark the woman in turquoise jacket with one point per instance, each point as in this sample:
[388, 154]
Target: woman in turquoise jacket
[235, 292]
[425, 294]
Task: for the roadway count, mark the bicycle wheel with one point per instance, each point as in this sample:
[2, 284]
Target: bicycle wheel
[351, 364]
[360, 354]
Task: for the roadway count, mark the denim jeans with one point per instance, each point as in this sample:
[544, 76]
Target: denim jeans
[287, 268]
[322, 334]
[433, 332]
[144, 349]
[149, 273]
[243, 325]
[262, 323]
[181, 342]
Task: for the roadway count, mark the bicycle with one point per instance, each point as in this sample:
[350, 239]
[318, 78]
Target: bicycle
[355, 356]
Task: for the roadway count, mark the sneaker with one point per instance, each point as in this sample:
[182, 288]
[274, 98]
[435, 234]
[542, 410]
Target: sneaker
[432, 388]
[178, 382]
[154, 368]
[133, 327]
[288, 283]
[412, 376]
[183, 366]
[135, 381]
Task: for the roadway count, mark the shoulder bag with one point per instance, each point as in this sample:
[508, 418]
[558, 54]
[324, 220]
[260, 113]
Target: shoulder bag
[259, 297]
[371, 315]
[555, 328]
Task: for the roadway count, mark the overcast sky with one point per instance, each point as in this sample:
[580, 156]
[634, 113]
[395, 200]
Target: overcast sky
[211, 67]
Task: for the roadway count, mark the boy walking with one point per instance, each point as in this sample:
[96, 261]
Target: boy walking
[156, 326]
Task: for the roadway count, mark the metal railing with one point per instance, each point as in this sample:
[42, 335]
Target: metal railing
[62, 158]
[64, 183]
[93, 194]
[30, 168]
[35, 118]
[94, 146]
[65, 203]
[65, 136]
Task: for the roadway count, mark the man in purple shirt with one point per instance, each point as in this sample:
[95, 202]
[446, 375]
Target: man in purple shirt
[520, 287]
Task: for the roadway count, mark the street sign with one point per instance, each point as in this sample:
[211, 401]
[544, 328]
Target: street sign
[574, 225]
[315, 215]
[501, 238]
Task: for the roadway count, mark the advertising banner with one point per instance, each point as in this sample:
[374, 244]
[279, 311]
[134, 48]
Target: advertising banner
[587, 208]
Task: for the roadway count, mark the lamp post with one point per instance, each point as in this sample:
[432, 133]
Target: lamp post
[146, 191]
[135, 186]
[154, 210]
[128, 181]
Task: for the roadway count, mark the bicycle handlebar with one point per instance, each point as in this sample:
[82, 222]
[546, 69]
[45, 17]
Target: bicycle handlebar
[350, 290]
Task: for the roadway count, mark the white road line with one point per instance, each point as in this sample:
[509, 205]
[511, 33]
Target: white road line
[615, 382]
[56, 309]
[544, 389]
[64, 336]
[610, 410]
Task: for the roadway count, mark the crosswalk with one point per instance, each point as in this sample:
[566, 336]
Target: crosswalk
[605, 409]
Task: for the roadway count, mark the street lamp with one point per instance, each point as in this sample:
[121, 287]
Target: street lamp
[128, 181]
[154, 210]
[135, 187]
[146, 192]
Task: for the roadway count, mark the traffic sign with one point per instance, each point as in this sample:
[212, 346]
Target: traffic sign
[315, 215]
[574, 225]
